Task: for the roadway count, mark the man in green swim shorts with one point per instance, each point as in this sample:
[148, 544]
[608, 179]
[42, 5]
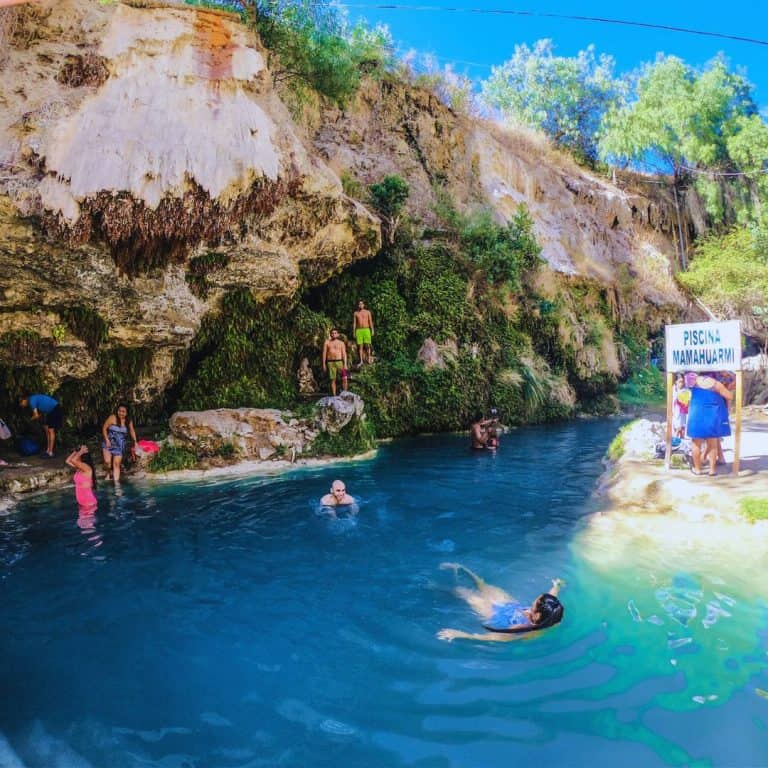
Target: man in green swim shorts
[362, 326]
[335, 360]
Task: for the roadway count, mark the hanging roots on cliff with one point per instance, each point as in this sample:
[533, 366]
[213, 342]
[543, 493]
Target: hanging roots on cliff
[142, 238]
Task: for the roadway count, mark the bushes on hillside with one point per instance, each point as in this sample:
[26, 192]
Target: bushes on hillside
[729, 273]
[311, 45]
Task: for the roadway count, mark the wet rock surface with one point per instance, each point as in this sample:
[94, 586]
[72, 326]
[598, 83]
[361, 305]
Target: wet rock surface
[259, 433]
[335, 413]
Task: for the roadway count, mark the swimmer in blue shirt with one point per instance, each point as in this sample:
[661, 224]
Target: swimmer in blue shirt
[502, 615]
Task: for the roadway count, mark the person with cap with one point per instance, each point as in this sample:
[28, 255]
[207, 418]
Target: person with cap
[503, 616]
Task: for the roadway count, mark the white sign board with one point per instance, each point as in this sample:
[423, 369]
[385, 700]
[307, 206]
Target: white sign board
[703, 347]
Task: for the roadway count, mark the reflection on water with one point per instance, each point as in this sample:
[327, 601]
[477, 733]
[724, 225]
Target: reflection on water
[231, 624]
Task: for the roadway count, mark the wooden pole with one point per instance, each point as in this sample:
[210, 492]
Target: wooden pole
[737, 435]
[668, 451]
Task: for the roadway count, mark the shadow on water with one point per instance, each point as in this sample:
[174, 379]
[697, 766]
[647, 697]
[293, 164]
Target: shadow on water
[231, 624]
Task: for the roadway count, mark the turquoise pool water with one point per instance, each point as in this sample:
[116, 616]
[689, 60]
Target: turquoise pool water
[230, 624]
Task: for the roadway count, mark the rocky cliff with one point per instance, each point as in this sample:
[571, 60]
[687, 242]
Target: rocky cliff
[136, 140]
[149, 169]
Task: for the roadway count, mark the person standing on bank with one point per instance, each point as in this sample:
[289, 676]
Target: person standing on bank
[115, 432]
[47, 409]
[362, 327]
[707, 418]
[335, 360]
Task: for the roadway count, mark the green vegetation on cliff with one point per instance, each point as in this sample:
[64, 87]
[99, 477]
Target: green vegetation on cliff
[499, 338]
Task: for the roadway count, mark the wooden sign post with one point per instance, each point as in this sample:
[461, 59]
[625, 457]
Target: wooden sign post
[704, 348]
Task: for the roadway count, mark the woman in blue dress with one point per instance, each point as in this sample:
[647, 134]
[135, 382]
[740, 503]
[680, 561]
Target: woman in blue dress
[116, 430]
[503, 616]
[707, 418]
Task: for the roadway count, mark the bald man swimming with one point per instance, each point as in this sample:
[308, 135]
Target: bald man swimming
[338, 495]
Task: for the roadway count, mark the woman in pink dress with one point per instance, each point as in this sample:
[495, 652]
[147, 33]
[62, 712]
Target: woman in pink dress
[85, 478]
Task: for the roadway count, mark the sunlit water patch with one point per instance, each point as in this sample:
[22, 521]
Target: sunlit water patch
[235, 624]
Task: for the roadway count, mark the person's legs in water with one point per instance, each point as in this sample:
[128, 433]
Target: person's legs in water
[116, 463]
[484, 598]
[107, 457]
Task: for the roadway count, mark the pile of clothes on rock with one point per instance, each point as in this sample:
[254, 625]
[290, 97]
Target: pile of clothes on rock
[680, 445]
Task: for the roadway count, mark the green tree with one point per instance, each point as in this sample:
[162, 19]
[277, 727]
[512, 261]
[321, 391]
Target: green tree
[687, 121]
[748, 147]
[388, 198]
[564, 97]
[729, 273]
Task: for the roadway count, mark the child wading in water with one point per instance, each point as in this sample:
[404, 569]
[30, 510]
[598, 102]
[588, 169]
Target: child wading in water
[85, 478]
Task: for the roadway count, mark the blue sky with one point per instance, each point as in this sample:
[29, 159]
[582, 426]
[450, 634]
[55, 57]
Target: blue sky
[490, 39]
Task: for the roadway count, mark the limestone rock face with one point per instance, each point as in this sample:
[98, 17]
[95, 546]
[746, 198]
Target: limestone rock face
[259, 433]
[334, 413]
[139, 140]
[587, 226]
[133, 139]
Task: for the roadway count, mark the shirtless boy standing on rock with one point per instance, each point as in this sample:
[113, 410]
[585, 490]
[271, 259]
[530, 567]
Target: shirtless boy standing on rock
[335, 360]
[362, 327]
